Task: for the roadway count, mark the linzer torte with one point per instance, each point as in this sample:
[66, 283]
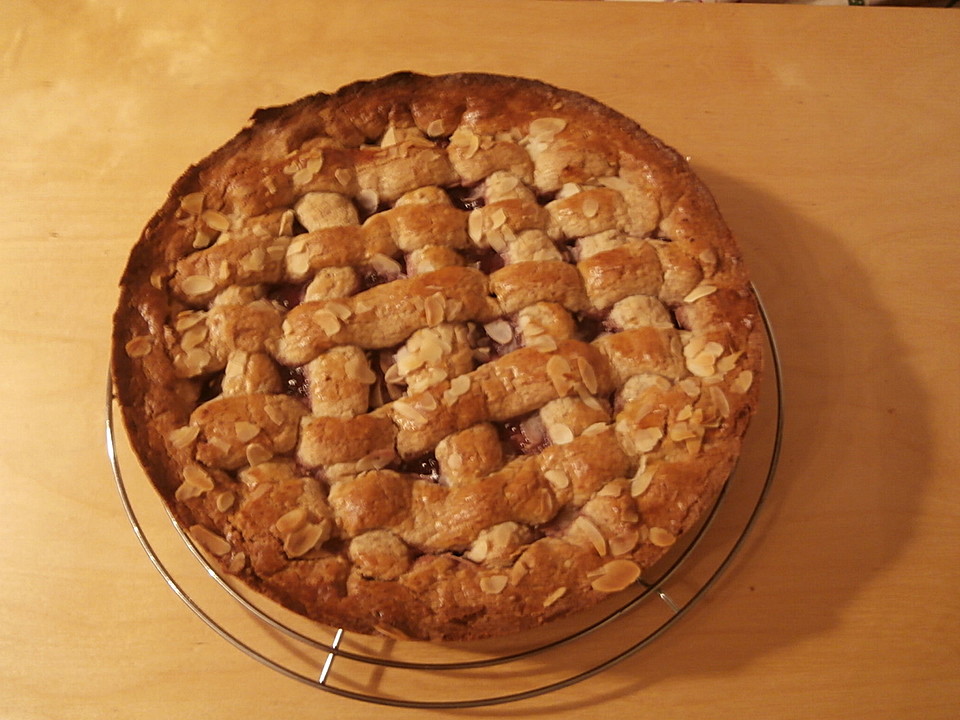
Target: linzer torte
[438, 357]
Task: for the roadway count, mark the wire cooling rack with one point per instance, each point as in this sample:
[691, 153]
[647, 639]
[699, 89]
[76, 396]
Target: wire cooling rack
[411, 674]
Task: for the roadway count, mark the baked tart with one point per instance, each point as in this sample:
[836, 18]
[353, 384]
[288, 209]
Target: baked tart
[439, 357]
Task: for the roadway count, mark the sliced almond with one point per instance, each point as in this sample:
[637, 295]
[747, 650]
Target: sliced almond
[464, 137]
[681, 431]
[215, 220]
[198, 477]
[196, 360]
[431, 348]
[475, 225]
[223, 271]
[192, 203]
[186, 491]
[617, 183]
[339, 309]
[389, 137]
[426, 403]
[493, 584]
[554, 596]
[254, 261]
[641, 482]
[298, 265]
[225, 500]
[285, 230]
[615, 576]
[139, 346]
[275, 414]
[453, 307]
[187, 320]
[309, 171]
[661, 537]
[245, 431]
[258, 490]
[690, 386]
[303, 176]
[593, 534]
[545, 128]
[590, 207]
[304, 540]
[728, 362]
[720, 401]
[497, 240]
[343, 176]
[384, 264]
[328, 322]
[408, 411]
[297, 245]
[700, 291]
[500, 331]
[588, 375]
[557, 478]
[183, 436]
[611, 489]
[291, 521]
[377, 460]
[742, 382]
[646, 439]
[358, 369]
[702, 365]
[210, 540]
[257, 453]
[202, 239]
[713, 348]
[624, 543]
[408, 361]
[558, 370]
[595, 429]
[237, 563]
[434, 309]
[543, 343]
[560, 434]
[478, 551]
[392, 375]
[220, 444]
[460, 385]
[194, 336]
[194, 285]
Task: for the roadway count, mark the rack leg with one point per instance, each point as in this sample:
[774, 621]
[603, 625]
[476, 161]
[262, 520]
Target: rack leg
[330, 655]
[668, 601]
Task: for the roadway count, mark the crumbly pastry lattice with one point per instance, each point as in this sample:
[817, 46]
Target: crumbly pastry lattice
[437, 357]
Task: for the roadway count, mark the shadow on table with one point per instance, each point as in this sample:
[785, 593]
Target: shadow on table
[849, 391]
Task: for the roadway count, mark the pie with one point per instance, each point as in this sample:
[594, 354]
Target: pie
[441, 357]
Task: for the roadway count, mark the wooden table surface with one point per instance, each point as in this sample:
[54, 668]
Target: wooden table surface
[831, 138]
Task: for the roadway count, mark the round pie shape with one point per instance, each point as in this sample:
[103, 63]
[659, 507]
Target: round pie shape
[437, 357]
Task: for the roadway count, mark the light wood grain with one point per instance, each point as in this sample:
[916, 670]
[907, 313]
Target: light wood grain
[830, 138]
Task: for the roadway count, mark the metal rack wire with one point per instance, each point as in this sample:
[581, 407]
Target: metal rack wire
[536, 663]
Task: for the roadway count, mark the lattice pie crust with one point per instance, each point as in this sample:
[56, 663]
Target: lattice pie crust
[437, 357]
